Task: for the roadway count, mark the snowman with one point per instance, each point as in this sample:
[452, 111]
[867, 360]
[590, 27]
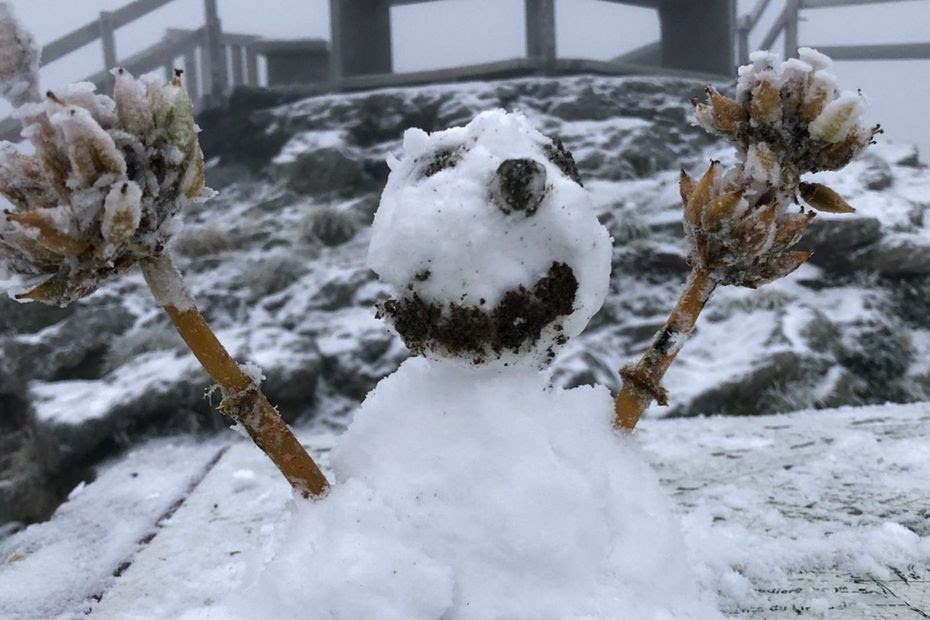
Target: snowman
[467, 486]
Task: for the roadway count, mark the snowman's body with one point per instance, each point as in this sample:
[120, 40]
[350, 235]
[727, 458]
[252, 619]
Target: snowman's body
[466, 486]
[485, 493]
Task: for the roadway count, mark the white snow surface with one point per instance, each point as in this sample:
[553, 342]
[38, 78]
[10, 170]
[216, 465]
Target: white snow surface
[488, 495]
[445, 223]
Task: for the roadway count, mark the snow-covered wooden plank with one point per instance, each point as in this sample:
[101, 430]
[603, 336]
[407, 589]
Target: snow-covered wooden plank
[53, 569]
[832, 594]
[201, 550]
[795, 512]
[821, 498]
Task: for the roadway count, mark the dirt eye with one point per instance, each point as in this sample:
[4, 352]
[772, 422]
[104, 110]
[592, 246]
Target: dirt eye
[519, 185]
[442, 160]
[562, 157]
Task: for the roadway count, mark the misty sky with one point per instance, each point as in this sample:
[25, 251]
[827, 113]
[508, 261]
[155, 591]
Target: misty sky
[467, 31]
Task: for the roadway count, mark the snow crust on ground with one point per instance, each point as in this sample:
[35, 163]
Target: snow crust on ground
[488, 494]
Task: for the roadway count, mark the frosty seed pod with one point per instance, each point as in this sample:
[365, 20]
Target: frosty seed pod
[795, 108]
[490, 243]
[788, 119]
[100, 192]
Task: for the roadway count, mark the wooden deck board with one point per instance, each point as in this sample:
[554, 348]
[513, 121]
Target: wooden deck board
[255, 500]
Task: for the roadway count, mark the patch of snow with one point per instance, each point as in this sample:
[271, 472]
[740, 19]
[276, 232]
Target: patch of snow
[76, 401]
[781, 512]
[841, 490]
[308, 141]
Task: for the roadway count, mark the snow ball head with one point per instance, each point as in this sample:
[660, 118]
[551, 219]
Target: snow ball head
[490, 243]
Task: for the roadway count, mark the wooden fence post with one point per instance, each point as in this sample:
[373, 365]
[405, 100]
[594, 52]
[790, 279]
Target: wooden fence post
[685, 45]
[792, 10]
[540, 32]
[105, 24]
[191, 76]
[238, 76]
[214, 57]
[251, 64]
[360, 37]
[742, 40]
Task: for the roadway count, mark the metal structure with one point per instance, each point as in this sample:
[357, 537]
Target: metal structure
[786, 23]
[359, 53]
[361, 35]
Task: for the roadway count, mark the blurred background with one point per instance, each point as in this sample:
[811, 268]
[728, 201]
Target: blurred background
[455, 32]
[296, 130]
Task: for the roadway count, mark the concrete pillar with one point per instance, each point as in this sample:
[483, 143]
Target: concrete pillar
[360, 37]
[214, 54]
[698, 36]
[294, 61]
[540, 31]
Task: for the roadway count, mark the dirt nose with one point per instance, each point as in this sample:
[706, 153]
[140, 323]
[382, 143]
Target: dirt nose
[519, 185]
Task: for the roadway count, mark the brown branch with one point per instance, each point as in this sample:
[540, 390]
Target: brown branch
[243, 400]
[642, 381]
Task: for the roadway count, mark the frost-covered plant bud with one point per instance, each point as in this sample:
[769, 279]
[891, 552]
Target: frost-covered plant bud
[83, 95]
[489, 242]
[19, 60]
[122, 211]
[766, 104]
[92, 152]
[838, 119]
[102, 189]
[132, 104]
[788, 119]
[794, 107]
[738, 240]
[22, 180]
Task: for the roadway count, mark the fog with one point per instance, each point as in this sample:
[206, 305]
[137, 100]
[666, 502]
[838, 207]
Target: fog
[455, 32]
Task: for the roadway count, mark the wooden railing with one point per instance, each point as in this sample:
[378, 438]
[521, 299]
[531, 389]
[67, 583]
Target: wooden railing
[212, 60]
[104, 29]
[787, 23]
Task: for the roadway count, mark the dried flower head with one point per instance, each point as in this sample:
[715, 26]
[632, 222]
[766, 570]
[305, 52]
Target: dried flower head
[788, 119]
[101, 189]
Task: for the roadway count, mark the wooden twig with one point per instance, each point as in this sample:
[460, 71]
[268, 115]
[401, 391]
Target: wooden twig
[243, 399]
[642, 381]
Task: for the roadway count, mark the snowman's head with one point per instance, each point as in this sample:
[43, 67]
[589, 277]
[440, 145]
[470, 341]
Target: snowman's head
[490, 243]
